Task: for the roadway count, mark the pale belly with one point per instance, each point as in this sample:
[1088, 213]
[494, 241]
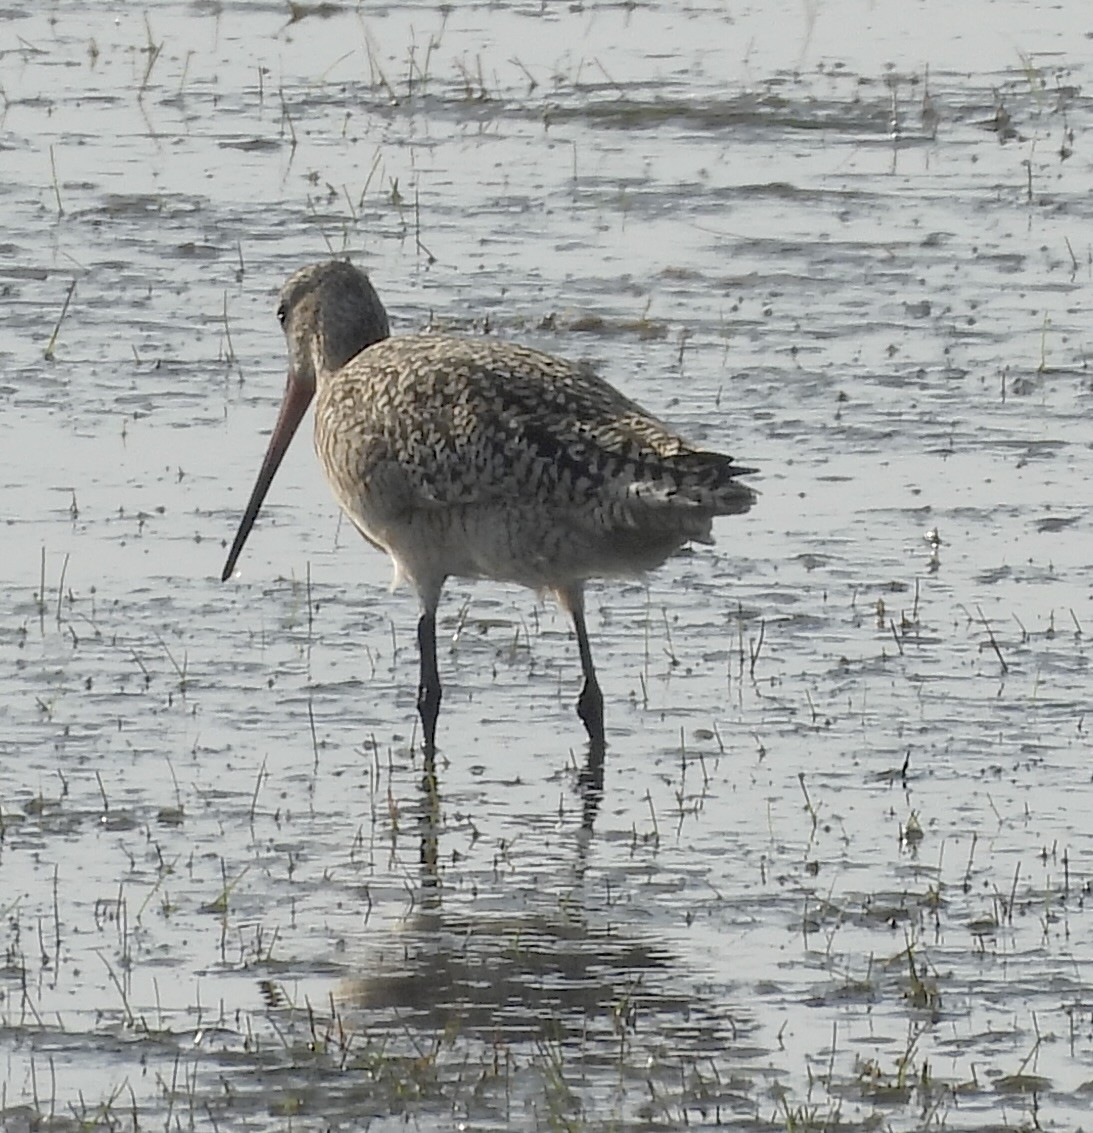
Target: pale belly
[530, 546]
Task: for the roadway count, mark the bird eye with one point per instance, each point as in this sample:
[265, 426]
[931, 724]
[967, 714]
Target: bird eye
[282, 314]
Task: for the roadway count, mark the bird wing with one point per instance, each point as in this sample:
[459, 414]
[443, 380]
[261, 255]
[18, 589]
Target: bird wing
[471, 421]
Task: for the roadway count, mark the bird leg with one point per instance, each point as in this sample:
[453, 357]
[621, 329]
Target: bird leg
[428, 689]
[590, 702]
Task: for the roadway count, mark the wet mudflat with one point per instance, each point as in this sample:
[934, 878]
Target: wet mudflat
[839, 872]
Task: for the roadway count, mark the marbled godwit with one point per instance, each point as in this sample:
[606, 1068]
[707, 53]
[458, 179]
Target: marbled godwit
[483, 459]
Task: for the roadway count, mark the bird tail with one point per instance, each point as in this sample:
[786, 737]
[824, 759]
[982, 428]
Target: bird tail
[712, 479]
[703, 483]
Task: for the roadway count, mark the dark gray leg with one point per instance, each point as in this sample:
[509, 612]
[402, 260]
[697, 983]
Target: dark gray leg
[590, 702]
[428, 689]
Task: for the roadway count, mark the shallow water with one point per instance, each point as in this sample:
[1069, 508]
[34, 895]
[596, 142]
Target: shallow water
[839, 871]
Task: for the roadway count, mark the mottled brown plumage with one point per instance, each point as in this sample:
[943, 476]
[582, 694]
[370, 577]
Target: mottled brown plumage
[484, 459]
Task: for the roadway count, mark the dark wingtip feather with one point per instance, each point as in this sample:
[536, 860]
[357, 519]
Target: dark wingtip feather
[711, 479]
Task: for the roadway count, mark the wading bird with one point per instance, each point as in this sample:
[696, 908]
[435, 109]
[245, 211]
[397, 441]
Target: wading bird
[475, 458]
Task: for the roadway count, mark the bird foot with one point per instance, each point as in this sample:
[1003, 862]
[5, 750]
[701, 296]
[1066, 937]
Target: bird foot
[590, 710]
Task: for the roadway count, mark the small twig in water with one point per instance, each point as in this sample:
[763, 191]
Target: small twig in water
[668, 649]
[314, 737]
[895, 635]
[808, 801]
[130, 1018]
[653, 815]
[755, 646]
[102, 791]
[968, 868]
[180, 670]
[1073, 258]
[230, 358]
[153, 49]
[61, 588]
[430, 258]
[257, 788]
[994, 643]
[49, 352]
[42, 590]
[286, 118]
[56, 186]
[1013, 893]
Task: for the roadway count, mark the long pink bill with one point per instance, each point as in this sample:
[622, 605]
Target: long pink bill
[293, 407]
